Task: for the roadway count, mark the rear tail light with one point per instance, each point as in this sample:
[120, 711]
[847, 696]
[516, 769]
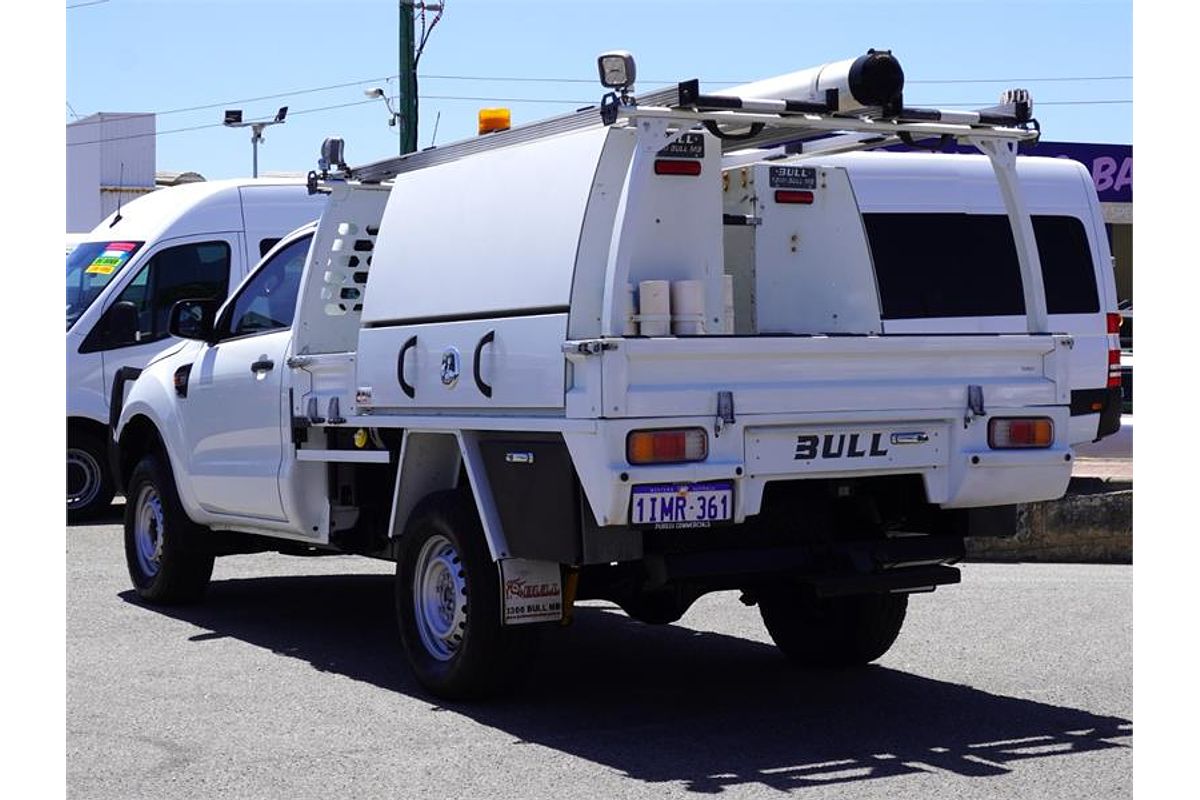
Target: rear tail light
[1114, 350]
[1114, 368]
[671, 446]
[791, 196]
[1009, 433]
[668, 166]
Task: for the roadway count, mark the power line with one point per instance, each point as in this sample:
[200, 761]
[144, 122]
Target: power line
[520, 79]
[277, 96]
[212, 125]
[81, 5]
[576, 103]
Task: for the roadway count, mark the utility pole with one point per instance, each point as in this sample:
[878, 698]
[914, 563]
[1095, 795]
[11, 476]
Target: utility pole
[407, 80]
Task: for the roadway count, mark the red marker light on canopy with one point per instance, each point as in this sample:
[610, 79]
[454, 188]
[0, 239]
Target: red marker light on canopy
[793, 196]
[669, 166]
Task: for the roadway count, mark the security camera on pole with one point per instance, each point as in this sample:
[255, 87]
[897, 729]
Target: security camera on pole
[233, 119]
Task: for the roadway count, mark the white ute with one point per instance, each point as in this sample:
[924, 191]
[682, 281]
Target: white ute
[191, 241]
[602, 356]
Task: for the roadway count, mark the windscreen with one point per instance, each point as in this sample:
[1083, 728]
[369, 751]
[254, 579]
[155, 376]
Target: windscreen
[90, 267]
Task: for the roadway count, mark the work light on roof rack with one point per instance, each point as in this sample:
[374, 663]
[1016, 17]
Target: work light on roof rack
[617, 70]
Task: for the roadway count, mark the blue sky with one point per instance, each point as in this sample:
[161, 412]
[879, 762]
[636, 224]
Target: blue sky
[165, 55]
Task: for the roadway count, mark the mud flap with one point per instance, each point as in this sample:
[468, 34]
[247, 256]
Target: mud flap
[531, 591]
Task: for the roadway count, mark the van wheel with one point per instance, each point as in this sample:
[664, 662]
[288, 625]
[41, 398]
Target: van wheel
[89, 486]
[448, 604]
[163, 548]
[832, 632]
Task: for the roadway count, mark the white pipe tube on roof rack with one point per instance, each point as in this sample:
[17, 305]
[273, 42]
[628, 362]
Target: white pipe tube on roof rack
[871, 80]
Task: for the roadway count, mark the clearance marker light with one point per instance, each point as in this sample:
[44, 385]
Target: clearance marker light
[672, 446]
[667, 166]
[792, 196]
[1011, 433]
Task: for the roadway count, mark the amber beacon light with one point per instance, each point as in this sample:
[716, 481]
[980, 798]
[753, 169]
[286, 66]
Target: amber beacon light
[492, 120]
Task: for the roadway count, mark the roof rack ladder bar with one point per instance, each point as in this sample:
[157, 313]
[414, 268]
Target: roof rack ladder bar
[1003, 155]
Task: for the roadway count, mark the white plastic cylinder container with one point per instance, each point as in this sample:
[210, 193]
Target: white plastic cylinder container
[654, 308]
[687, 308]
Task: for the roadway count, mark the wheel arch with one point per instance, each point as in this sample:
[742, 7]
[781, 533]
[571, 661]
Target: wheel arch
[435, 461]
[484, 462]
[139, 438]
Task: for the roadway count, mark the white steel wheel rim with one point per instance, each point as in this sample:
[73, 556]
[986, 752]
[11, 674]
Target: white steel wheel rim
[440, 598]
[83, 478]
[148, 530]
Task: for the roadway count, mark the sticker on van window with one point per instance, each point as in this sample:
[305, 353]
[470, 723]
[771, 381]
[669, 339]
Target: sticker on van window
[114, 255]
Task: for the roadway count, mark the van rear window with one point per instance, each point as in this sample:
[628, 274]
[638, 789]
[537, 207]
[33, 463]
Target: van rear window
[965, 265]
[1066, 265]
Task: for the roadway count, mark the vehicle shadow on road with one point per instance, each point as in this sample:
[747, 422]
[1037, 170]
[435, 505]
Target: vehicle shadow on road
[665, 704]
[112, 515]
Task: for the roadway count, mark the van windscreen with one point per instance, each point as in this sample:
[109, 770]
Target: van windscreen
[965, 265]
[90, 267]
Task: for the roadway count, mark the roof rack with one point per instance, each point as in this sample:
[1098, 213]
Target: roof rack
[746, 122]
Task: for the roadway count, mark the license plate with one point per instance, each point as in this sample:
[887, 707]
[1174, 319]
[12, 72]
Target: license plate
[682, 505]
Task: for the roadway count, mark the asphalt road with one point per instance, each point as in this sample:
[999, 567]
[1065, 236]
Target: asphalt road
[288, 682]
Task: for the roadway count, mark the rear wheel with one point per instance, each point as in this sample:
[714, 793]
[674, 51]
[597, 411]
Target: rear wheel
[89, 486]
[832, 632]
[448, 604]
[166, 559]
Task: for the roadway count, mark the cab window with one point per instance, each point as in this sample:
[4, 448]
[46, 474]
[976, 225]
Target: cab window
[267, 302]
[195, 271]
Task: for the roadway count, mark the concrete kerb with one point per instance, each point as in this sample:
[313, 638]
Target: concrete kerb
[1093, 523]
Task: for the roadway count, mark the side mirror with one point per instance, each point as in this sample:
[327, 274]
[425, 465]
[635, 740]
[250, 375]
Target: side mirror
[192, 319]
[122, 323]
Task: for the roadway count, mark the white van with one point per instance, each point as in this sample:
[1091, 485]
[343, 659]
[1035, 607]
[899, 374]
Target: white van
[969, 282]
[935, 255]
[195, 240]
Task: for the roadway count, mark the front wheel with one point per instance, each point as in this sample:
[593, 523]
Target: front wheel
[448, 604]
[166, 560]
[832, 632]
[89, 485]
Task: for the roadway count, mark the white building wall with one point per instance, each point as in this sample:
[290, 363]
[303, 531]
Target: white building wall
[109, 156]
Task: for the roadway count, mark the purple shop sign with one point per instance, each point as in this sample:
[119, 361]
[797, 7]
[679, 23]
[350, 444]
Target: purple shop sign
[1111, 166]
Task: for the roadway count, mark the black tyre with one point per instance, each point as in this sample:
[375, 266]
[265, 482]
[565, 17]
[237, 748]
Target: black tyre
[89, 485]
[832, 632]
[448, 604]
[163, 548]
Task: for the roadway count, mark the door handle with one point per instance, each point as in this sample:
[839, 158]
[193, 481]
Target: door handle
[405, 386]
[262, 365]
[488, 338]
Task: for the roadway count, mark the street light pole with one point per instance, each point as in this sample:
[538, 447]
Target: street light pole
[233, 119]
